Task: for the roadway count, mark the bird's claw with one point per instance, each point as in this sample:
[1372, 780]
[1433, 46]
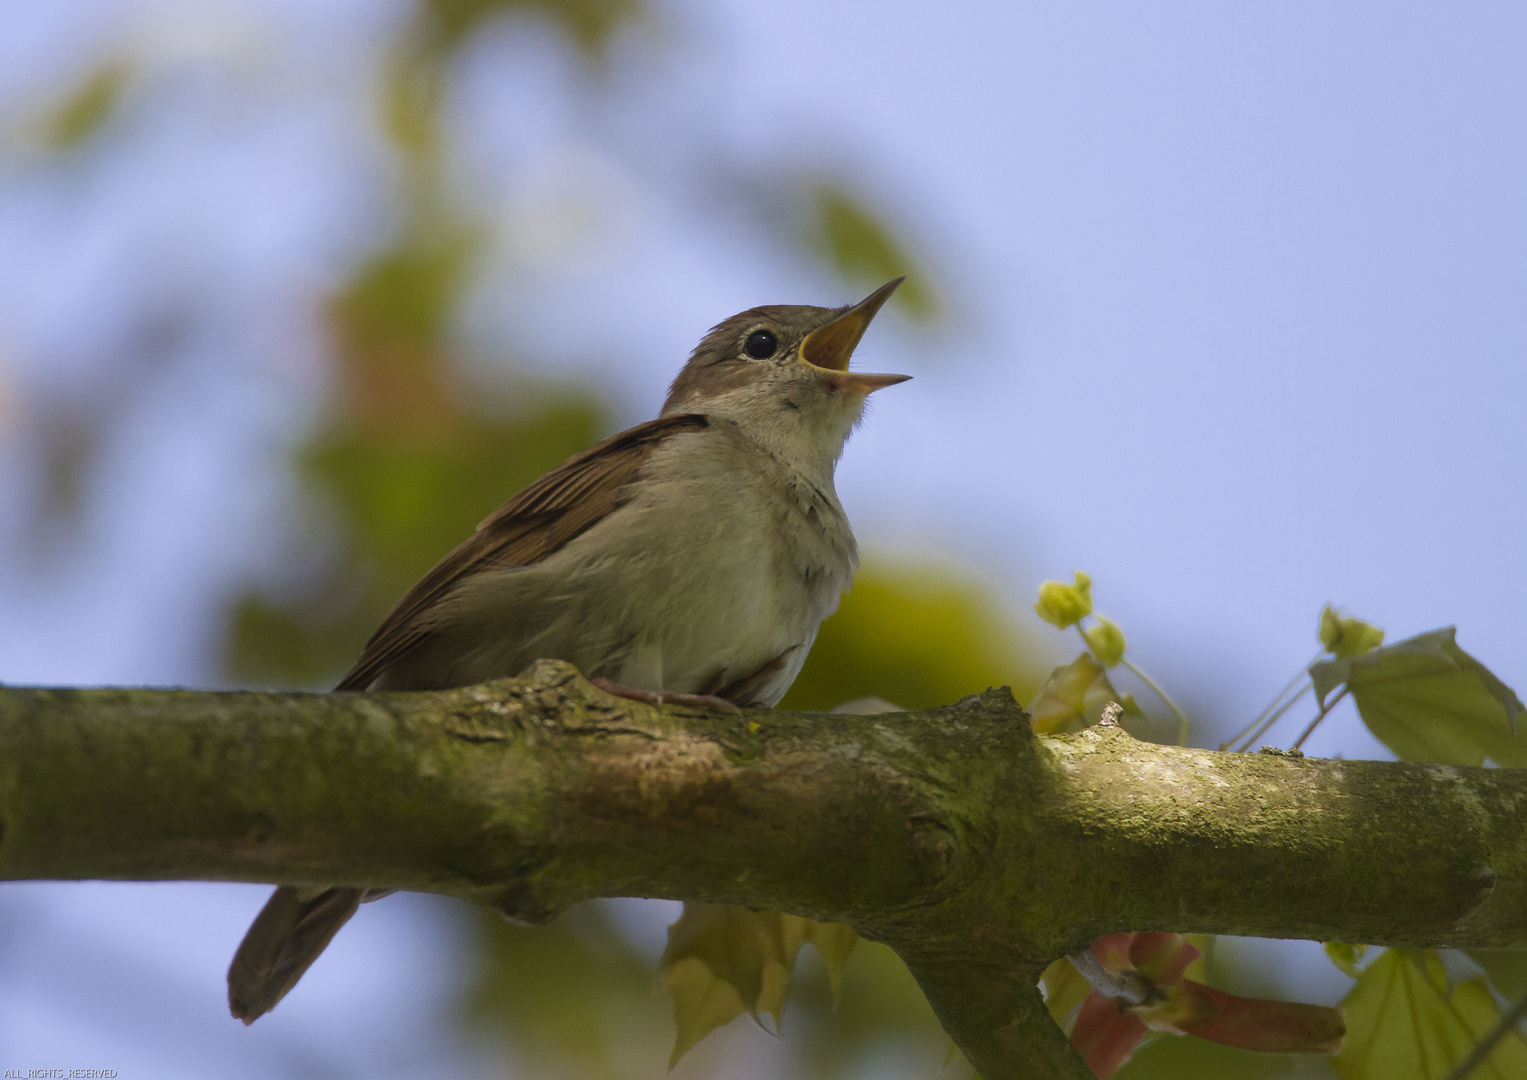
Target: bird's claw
[664, 697]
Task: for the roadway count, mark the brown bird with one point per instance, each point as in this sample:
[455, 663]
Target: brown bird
[690, 558]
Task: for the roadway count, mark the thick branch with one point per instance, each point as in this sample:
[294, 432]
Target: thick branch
[976, 849]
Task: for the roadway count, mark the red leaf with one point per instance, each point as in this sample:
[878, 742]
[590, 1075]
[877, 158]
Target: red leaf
[1104, 1035]
[1161, 957]
[1278, 1027]
[1113, 950]
[1107, 1032]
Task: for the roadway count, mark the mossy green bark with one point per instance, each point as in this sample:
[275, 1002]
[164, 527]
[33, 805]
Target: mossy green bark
[976, 849]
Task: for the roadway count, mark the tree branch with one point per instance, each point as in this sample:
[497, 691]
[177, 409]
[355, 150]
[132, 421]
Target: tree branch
[976, 849]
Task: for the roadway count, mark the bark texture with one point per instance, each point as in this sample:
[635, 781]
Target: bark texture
[976, 849]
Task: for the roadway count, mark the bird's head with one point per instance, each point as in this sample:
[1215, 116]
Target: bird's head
[781, 374]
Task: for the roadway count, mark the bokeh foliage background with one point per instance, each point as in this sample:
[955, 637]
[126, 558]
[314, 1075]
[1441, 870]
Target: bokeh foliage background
[408, 444]
[408, 458]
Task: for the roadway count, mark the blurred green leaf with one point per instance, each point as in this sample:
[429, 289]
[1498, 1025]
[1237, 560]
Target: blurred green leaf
[87, 108]
[1404, 1023]
[275, 645]
[1074, 696]
[574, 1000]
[590, 23]
[834, 942]
[883, 1016]
[1506, 968]
[916, 636]
[1198, 1059]
[1428, 700]
[410, 500]
[571, 999]
[1346, 957]
[1064, 990]
[702, 1002]
[403, 500]
[408, 294]
[413, 82]
[862, 249]
[722, 961]
[1346, 635]
[417, 73]
[751, 951]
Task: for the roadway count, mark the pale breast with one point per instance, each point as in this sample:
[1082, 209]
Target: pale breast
[756, 558]
[711, 575]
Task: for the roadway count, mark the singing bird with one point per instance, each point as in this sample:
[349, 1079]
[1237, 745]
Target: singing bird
[691, 558]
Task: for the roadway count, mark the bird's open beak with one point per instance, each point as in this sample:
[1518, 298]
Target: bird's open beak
[829, 347]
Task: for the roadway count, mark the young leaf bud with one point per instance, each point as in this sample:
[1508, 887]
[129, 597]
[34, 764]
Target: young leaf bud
[1106, 641]
[1065, 605]
[1346, 635]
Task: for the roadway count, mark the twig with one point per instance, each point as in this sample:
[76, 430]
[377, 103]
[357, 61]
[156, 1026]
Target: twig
[1130, 987]
[1182, 717]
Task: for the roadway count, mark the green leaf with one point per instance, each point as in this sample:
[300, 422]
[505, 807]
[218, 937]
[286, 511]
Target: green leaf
[720, 962]
[723, 961]
[702, 1002]
[1428, 700]
[1404, 1023]
[1345, 956]
[1074, 696]
[1064, 990]
[834, 942]
[570, 1000]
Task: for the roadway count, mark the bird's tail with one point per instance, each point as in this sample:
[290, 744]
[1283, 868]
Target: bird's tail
[291, 930]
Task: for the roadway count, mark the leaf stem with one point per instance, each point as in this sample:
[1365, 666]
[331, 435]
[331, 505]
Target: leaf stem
[1182, 718]
[1324, 711]
[1274, 718]
[1271, 705]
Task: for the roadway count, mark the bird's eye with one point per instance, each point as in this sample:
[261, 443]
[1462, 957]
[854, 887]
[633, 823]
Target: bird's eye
[761, 344]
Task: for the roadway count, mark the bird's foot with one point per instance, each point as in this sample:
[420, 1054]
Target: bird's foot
[664, 697]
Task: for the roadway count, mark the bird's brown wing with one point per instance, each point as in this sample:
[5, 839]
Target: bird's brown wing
[527, 528]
